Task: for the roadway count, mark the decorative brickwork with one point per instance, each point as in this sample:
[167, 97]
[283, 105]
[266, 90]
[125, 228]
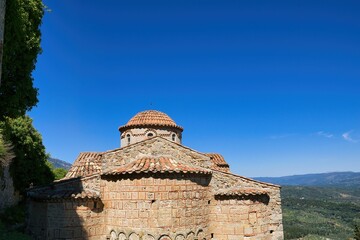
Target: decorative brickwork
[154, 189]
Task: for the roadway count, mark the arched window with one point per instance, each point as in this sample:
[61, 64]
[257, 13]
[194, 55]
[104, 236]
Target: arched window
[128, 138]
[173, 137]
[150, 134]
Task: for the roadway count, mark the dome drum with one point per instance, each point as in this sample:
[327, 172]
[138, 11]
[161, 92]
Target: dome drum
[149, 124]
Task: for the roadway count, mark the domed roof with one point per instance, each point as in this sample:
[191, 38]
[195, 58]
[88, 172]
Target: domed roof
[150, 118]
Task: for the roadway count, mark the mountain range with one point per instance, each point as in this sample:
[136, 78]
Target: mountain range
[57, 163]
[332, 179]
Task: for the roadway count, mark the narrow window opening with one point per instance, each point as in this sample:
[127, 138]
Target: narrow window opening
[271, 231]
[128, 138]
[212, 235]
[209, 202]
[173, 137]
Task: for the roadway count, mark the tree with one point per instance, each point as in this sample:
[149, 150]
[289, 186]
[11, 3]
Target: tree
[30, 163]
[357, 232]
[21, 46]
[2, 25]
[6, 155]
[59, 173]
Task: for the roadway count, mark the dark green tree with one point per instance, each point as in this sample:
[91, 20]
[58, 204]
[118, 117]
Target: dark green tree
[357, 232]
[21, 46]
[6, 155]
[59, 173]
[30, 163]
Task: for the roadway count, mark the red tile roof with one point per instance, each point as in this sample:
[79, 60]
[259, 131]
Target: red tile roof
[218, 162]
[64, 194]
[87, 163]
[241, 192]
[150, 118]
[157, 165]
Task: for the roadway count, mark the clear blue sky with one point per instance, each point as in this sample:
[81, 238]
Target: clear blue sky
[274, 86]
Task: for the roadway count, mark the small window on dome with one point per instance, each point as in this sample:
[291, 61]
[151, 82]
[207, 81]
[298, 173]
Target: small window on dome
[128, 138]
[150, 134]
[173, 137]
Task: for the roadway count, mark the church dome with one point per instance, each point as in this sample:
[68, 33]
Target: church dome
[150, 118]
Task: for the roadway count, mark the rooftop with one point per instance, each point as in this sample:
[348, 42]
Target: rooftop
[157, 165]
[150, 118]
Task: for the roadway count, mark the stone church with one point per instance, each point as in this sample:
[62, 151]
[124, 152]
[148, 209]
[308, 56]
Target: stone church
[154, 188]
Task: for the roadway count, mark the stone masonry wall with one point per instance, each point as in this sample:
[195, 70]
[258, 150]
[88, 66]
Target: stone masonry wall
[140, 134]
[8, 195]
[156, 206]
[37, 219]
[66, 219]
[254, 217]
[153, 147]
[237, 218]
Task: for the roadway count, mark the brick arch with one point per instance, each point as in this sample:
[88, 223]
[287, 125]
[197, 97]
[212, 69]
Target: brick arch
[200, 235]
[190, 236]
[165, 237]
[134, 236]
[180, 237]
[122, 236]
[113, 235]
[123, 135]
[148, 237]
[149, 130]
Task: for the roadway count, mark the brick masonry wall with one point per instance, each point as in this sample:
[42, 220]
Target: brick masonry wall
[156, 206]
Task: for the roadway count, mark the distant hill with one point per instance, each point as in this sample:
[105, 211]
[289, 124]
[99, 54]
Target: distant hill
[320, 213]
[60, 163]
[343, 179]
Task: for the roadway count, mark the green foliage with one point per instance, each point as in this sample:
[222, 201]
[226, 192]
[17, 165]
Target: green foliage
[6, 155]
[59, 173]
[21, 47]
[12, 235]
[2, 147]
[29, 165]
[357, 232]
[319, 212]
[13, 216]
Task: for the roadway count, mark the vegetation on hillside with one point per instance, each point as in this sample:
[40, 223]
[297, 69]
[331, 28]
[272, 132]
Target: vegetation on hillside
[29, 165]
[320, 212]
[334, 179]
[58, 173]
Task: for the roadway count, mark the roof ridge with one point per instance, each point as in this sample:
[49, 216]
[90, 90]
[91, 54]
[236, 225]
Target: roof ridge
[156, 164]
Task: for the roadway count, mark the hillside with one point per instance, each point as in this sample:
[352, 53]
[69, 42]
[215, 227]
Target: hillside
[320, 211]
[60, 163]
[335, 179]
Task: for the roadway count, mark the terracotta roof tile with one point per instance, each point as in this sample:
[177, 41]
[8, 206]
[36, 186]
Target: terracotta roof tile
[64, 194]
[87, 163]
[150, 118]
[241, 192]
[218, 162]
[157, 165]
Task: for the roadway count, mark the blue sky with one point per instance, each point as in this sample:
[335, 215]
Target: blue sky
[274, 86]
